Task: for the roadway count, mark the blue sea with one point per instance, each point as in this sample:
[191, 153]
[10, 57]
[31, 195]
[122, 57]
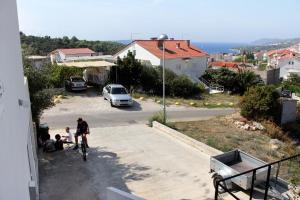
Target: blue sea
[210, 47]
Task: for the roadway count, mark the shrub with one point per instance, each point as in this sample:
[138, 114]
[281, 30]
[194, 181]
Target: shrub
[223, 77]
[127, 71]
[274, 131]
[183, 87]
[38, 82]
[245, 80]
[149, 79]
[260, 103]
[237, 82]
[130, 72]
[159, 117]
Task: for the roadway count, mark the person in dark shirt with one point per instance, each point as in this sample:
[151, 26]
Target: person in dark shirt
[82, 130]
[59, 144]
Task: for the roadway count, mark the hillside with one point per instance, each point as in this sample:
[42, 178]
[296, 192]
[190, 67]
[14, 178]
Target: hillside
[269, 44]
[34, 45]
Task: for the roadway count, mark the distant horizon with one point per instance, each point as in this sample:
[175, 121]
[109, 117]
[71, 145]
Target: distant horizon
[120, 40]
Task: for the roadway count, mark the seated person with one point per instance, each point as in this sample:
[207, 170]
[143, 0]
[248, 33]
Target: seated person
[68, 137]
[49, 145]
[59, 145]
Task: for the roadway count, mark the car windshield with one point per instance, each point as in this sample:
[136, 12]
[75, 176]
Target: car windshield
[77, 79]
[119, 90]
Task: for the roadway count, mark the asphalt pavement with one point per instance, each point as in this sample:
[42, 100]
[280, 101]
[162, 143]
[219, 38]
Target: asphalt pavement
[98, 113]
[107, 119]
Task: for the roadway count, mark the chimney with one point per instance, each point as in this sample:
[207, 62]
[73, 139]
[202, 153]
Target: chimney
[177, 45]
[188, 43]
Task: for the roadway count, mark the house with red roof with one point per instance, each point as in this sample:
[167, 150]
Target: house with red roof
[289, 64]
[63, 55]
[295, 48]
[274, 56]
[234, 66]
[180, 56]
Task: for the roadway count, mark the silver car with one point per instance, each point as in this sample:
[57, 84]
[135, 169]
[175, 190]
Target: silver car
[117, 95]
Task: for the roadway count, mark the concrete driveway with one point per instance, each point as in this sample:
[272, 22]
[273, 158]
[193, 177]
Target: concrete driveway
[134, 158]
[98, 112]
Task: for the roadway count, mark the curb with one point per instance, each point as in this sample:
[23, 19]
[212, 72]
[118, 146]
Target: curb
[187, 140]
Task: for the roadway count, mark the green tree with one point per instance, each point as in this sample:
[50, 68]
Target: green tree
[127, 71]
[247, 79]
[38, 82]
[184, 87]
[223, 77]
[260, 103]
[236, 82]
[34, 45]
[58, 74]
[150, 80]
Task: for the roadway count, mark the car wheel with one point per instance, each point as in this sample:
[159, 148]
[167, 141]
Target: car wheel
[111, 104]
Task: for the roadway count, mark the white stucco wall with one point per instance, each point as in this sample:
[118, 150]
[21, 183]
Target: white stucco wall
[141, 54]
[77, 55]
[14, 118]
[289, 65]
[193, 68]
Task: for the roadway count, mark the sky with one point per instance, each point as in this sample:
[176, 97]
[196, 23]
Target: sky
[234, 21]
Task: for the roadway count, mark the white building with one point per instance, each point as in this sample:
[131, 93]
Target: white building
[295, 48]
[181, 57]
[65, 55]
[38, 61]
[18, 161]
[289, 65]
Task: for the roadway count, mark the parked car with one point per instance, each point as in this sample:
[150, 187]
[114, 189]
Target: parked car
[286, 93]
[117, 95]
[75, 83]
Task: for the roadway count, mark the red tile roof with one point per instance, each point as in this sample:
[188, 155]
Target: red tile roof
[224, 64]
[74, 51]
[174, 49]
[280, 52]
[289, 56]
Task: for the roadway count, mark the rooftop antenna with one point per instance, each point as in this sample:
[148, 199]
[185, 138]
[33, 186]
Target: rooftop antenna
[132, 35]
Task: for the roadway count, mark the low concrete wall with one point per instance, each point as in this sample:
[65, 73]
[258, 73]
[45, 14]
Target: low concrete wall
[187, 140]
[115, 194]
[288, 110]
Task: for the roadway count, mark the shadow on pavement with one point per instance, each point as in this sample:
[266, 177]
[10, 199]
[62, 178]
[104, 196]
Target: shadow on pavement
[90, 92]
[64, 175]
[135, 107]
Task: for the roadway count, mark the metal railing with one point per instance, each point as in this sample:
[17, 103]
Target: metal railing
[211, 86]
[253, 171]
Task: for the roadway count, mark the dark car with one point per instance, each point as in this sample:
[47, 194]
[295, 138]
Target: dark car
[75, 83]
[286, 93]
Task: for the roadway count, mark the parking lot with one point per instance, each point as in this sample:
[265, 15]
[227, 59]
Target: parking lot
[91, 106]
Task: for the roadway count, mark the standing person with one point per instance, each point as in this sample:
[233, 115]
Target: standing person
[82, 129]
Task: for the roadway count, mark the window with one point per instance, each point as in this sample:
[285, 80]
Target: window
[118, 91]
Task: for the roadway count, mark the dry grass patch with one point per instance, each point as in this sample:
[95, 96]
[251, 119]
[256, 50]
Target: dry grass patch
[207, 100]
[221, 134]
